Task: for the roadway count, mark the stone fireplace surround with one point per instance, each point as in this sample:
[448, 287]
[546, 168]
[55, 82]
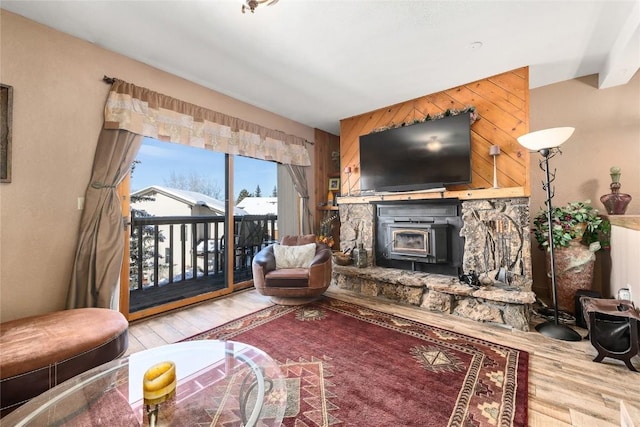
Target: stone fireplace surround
[496, 246]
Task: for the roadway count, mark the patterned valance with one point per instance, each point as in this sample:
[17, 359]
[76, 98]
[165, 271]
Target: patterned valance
[155, 115]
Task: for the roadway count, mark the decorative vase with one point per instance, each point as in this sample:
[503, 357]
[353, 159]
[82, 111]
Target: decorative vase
[574, 271]
[360, 256]
[615, 202]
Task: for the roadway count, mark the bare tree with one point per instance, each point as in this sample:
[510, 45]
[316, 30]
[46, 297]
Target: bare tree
[194, 182]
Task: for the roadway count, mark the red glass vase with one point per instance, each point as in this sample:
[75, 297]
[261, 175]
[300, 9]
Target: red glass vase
[615, 202]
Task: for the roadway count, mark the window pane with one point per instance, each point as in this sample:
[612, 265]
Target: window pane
[177, 199]
[257, 206]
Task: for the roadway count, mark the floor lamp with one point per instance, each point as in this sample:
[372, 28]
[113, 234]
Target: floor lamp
[546, 142]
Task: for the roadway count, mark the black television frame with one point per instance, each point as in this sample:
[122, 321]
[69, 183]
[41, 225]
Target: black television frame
[395, 159]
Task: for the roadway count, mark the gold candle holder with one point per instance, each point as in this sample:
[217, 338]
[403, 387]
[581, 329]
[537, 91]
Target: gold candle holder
[158, 385]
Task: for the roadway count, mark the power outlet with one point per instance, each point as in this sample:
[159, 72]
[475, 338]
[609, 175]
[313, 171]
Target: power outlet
[80, 203]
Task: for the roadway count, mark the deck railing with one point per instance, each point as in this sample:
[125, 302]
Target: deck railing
[180, 256]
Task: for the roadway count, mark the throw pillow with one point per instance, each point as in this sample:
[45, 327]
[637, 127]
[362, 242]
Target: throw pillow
[294, 256]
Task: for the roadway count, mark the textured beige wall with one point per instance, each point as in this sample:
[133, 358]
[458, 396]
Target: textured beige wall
[607, 123]
[57, 114]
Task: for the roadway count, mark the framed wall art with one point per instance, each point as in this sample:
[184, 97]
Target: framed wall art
[6, 103]
[334, 184]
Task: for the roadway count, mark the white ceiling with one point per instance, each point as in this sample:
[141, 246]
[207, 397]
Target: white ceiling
[319, 61]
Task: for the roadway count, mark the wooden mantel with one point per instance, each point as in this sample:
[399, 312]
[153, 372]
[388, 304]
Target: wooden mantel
[484, 193]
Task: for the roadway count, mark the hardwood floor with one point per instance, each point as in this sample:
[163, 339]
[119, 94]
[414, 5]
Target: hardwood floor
[566, 388]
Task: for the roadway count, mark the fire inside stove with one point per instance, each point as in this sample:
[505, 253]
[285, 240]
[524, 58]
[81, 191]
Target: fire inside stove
[411, 242]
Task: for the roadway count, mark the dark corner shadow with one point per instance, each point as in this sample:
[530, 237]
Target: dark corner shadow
[588, 190]
[590, 80]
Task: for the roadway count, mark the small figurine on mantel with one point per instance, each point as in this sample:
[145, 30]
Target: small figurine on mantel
[615, 203]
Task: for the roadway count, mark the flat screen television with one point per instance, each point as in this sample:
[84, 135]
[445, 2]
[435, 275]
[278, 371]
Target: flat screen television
[420, 156]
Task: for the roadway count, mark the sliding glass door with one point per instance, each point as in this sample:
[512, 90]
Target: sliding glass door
[196, 220]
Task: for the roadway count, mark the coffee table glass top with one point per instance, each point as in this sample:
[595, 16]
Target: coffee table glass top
[217, 383]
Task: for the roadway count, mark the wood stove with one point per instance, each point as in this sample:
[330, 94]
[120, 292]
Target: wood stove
[419, 236]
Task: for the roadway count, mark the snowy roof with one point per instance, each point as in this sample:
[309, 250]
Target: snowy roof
[259, 205]
[191, 198]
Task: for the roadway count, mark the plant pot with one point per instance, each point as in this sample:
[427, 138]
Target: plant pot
[574, 271]
[579, 230]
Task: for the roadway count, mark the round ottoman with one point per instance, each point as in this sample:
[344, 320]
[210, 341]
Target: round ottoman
[39, 352]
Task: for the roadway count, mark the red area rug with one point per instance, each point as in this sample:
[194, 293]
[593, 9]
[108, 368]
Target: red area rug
[347, 365]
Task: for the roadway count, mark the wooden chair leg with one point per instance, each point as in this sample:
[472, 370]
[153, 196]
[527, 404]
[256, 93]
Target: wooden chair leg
[627, 361]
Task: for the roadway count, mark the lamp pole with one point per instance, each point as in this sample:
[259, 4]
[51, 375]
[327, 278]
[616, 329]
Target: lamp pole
[556, 329]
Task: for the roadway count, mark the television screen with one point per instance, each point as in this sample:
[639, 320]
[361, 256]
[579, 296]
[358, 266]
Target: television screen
[421, 156]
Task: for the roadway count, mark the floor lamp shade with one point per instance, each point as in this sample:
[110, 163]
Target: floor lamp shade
[544, 141]
[547, 138]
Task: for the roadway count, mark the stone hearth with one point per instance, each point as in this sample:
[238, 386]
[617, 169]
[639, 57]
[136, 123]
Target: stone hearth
[498, 304]
[496, 247]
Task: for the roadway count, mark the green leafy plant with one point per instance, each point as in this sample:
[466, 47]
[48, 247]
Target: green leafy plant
[575, 220]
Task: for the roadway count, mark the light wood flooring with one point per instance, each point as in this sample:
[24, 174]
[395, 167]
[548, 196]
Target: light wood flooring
[566, 388]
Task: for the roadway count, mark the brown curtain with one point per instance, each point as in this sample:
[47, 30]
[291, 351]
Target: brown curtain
[100, 247]
[299, 177]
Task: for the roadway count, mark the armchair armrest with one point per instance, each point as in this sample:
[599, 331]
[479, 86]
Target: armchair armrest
[323, 253]
[265, 259]
[320, 267]
[263, 262]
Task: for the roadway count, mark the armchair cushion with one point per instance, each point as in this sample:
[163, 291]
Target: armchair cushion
[294, 256]
[288, 278]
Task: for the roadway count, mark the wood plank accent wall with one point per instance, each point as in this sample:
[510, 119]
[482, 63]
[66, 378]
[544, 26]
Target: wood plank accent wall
[502, 104]
[324, 167]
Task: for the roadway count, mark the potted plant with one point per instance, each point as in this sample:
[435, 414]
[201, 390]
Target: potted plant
[575, 220]
[578, 232]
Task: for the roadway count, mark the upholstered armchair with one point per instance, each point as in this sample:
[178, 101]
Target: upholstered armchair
[294, 271]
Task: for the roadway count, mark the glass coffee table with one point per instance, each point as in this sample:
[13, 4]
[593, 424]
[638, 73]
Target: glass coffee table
[216, 383]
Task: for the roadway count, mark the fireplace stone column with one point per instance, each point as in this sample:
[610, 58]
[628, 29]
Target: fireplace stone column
[357, 227]
[497, 244]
